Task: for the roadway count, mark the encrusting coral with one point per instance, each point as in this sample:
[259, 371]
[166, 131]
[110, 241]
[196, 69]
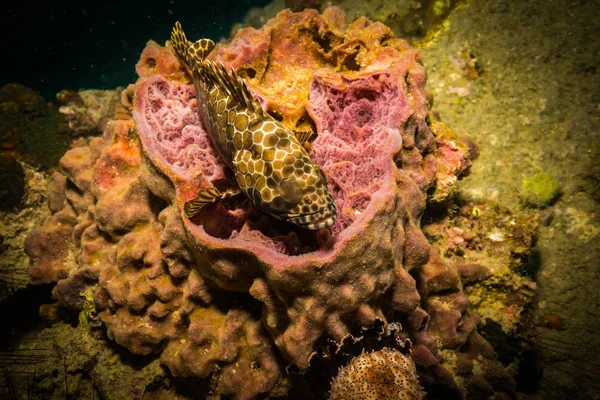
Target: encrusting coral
[235, 293]
[453, 360]
[383, 374]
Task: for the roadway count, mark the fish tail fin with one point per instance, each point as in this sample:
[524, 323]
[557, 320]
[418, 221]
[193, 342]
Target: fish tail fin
[192, 53]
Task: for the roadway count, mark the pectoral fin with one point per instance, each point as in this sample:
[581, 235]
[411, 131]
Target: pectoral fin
[303, 136]
[209, 196]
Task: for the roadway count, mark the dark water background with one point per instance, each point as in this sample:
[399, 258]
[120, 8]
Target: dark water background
[51, 46]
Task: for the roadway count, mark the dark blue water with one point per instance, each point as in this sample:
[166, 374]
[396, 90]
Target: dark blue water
[51, 46]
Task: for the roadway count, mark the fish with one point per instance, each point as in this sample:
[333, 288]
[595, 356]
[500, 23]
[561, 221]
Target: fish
[269, 161]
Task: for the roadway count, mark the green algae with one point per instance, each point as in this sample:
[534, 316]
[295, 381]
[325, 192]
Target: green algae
[540, 190]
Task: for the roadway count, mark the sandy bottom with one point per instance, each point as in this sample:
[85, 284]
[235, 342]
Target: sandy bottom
[535, 108]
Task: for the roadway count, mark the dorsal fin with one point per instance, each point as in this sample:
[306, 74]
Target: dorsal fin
[200, 48]
[231, 84]
[179, 42]
[192, 53]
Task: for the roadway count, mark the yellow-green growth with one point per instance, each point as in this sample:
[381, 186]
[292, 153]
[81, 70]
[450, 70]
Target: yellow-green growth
[540, 190]
[89, 310]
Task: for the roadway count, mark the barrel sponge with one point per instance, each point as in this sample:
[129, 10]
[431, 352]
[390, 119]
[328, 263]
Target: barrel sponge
[373, 142]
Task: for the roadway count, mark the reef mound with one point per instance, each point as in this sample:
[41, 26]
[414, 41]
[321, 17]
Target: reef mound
[234, 293]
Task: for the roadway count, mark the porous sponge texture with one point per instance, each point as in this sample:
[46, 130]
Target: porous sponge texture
[361, 120]
[174, 129]
[381, 375]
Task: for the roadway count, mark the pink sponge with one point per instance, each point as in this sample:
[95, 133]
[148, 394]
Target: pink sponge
[173, 129]
[360, 120]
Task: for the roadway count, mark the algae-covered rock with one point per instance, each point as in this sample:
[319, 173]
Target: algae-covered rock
[540, 190]
[12, 178]
[30, 128]
[88, 111]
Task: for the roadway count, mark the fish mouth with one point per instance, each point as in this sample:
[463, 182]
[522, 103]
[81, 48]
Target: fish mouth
[320, 219]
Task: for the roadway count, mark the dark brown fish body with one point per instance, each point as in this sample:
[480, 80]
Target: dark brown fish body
[270, 165]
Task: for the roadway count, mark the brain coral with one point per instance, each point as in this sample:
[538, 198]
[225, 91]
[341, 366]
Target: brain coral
[235, 293]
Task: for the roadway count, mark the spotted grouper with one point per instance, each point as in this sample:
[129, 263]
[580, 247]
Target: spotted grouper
[270, 164]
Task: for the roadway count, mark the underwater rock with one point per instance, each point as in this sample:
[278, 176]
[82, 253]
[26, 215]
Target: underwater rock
[381, 375]
[235, 294]
[88, 111]
[31, 129]
[490, 235]
[540, 190]
[12, 182]
[450, 354]
[23, 188]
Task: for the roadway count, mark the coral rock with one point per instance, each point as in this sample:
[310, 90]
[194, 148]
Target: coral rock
[88, 111]
[12, 182]
[31, 129]
[451, 356]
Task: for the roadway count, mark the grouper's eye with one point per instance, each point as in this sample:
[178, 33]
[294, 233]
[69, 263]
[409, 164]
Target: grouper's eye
[291, 191]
